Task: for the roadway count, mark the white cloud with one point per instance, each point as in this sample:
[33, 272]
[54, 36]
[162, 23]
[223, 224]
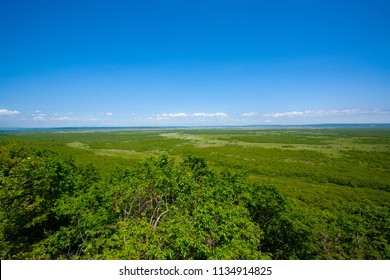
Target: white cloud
[221, 115]
[195, 115]
[63, 119]
[5, 112]
[212, 115]
[333, 112]
[250, 114]
[39, 116]
[286, 114]
[201, 115]
[176, 115]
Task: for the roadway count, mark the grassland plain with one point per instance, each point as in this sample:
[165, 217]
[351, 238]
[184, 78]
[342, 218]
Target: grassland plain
[307, 194]
[320, 168]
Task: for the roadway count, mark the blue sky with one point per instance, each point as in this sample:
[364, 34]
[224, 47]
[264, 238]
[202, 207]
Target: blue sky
[136, 63]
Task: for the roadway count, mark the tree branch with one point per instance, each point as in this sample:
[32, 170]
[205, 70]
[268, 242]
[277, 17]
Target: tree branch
[155, 224]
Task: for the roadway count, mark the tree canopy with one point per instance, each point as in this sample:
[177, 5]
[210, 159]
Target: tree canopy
[51, 208]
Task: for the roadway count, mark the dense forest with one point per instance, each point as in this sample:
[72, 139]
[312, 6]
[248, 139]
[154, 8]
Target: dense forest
[162, 207]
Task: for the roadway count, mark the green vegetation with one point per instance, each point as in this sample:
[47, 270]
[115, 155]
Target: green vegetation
[195, 194]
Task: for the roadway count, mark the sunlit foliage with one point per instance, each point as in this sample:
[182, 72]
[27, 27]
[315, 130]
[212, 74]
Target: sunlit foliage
[52, 208]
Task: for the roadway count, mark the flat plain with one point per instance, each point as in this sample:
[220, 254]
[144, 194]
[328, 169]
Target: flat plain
[336, 179]
[313, 166]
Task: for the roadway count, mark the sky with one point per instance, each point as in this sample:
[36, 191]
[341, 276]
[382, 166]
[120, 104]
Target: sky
[193, 63]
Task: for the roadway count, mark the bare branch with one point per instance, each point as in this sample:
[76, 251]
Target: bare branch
[155, 224]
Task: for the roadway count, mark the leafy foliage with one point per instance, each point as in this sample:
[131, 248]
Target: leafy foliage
[52, 208]
[33, 183]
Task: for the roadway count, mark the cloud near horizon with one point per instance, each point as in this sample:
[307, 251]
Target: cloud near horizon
[6, 112]
[63, 119]
[333, 112]
[40, 116]
[250, 114]
[196, 115]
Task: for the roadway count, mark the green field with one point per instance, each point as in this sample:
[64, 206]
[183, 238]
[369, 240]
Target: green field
[335, 185]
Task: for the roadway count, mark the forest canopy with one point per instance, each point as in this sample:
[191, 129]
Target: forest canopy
[53, 208]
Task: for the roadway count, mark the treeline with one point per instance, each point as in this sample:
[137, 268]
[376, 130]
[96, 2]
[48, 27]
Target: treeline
[51, 208]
